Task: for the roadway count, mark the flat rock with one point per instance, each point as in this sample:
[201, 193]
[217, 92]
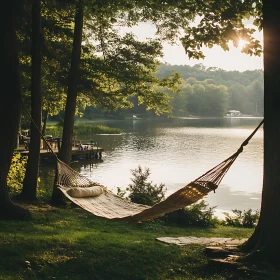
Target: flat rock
[220, 252]
[228, 263]
[186, 240]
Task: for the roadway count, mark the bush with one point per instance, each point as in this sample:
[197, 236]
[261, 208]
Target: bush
[54, 130]
[144, 192]
[141, 190]
[240, 218]
[16, 176]
[198, 214]
[16, 173]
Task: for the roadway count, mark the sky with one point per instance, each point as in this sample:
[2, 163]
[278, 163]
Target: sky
[214, 57]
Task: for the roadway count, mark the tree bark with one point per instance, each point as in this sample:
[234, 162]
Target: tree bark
[30, 181]
[70, 108]
[10, 107]
[265, 243]
[46, 115]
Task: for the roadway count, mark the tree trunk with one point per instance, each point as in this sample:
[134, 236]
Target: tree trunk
[32, 169]
[70, 108]
[10, 106]
[46, 115]
[265, 242]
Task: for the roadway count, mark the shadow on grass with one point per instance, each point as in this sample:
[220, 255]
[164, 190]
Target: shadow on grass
[72, 244]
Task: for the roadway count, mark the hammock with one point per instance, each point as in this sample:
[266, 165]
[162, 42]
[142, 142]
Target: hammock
[98, 200]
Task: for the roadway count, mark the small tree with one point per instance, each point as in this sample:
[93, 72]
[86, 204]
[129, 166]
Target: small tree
[143, 191]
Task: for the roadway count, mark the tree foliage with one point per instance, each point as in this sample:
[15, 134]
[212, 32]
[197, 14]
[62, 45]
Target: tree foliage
[213, 91]
[16, 173]
[221, 22]
[246, 218]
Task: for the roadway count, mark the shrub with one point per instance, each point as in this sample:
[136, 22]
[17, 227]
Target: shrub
[16, 176]
[16, 173]
[240, 218]
[122, 193]
[54, 130]
[141, 190]
[198, 214]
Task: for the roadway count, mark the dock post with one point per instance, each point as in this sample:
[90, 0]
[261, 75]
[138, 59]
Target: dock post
[58, 144]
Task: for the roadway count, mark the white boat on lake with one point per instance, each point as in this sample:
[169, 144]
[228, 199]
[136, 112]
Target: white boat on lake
[233, 113]
[236, 114]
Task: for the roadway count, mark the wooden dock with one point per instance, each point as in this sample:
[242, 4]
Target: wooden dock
[46, 155]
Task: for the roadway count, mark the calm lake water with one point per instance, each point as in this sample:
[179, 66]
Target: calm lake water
[177, 151]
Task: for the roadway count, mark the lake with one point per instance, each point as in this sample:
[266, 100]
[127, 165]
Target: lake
[177, 151]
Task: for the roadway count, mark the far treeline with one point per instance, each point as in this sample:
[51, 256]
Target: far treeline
[204, 91]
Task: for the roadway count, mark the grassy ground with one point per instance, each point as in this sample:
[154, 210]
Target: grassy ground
[70, 243]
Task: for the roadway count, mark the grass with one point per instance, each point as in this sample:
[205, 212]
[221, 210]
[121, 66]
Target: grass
[83, 130]
[71, 243]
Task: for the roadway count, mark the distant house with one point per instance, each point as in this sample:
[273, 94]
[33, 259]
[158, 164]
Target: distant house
[233, 113]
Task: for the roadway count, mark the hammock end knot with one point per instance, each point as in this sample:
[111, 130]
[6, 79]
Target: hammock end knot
[212, 186]
[245, 143]
[240, 150]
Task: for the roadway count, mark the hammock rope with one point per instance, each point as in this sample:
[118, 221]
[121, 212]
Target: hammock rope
[37, 128]
[111, 206]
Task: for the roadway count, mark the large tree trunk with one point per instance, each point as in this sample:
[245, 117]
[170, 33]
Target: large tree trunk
[265, 242]
[10, 106]
[32, 169]
[46, 115]
[70, 108]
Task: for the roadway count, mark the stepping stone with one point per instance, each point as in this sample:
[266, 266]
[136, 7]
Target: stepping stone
[220, 252]
[228, 263]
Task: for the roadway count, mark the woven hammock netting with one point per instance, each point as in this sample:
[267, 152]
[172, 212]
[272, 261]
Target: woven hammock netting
[111, 206]
[108, 205]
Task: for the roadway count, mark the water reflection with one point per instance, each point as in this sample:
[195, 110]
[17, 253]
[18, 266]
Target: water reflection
[225, 198]
[177, 151]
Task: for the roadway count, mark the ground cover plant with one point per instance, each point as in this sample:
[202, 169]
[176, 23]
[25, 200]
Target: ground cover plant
[70, 243]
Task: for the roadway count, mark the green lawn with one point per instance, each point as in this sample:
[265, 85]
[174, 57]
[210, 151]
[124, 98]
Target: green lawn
[70, 243]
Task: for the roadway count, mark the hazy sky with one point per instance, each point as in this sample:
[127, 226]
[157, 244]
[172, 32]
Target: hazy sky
[215, 57]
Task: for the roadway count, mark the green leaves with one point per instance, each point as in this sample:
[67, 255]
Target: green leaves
[121, 67]
[143, 191]
[222, 22]
[116, 67]
[16, 173]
